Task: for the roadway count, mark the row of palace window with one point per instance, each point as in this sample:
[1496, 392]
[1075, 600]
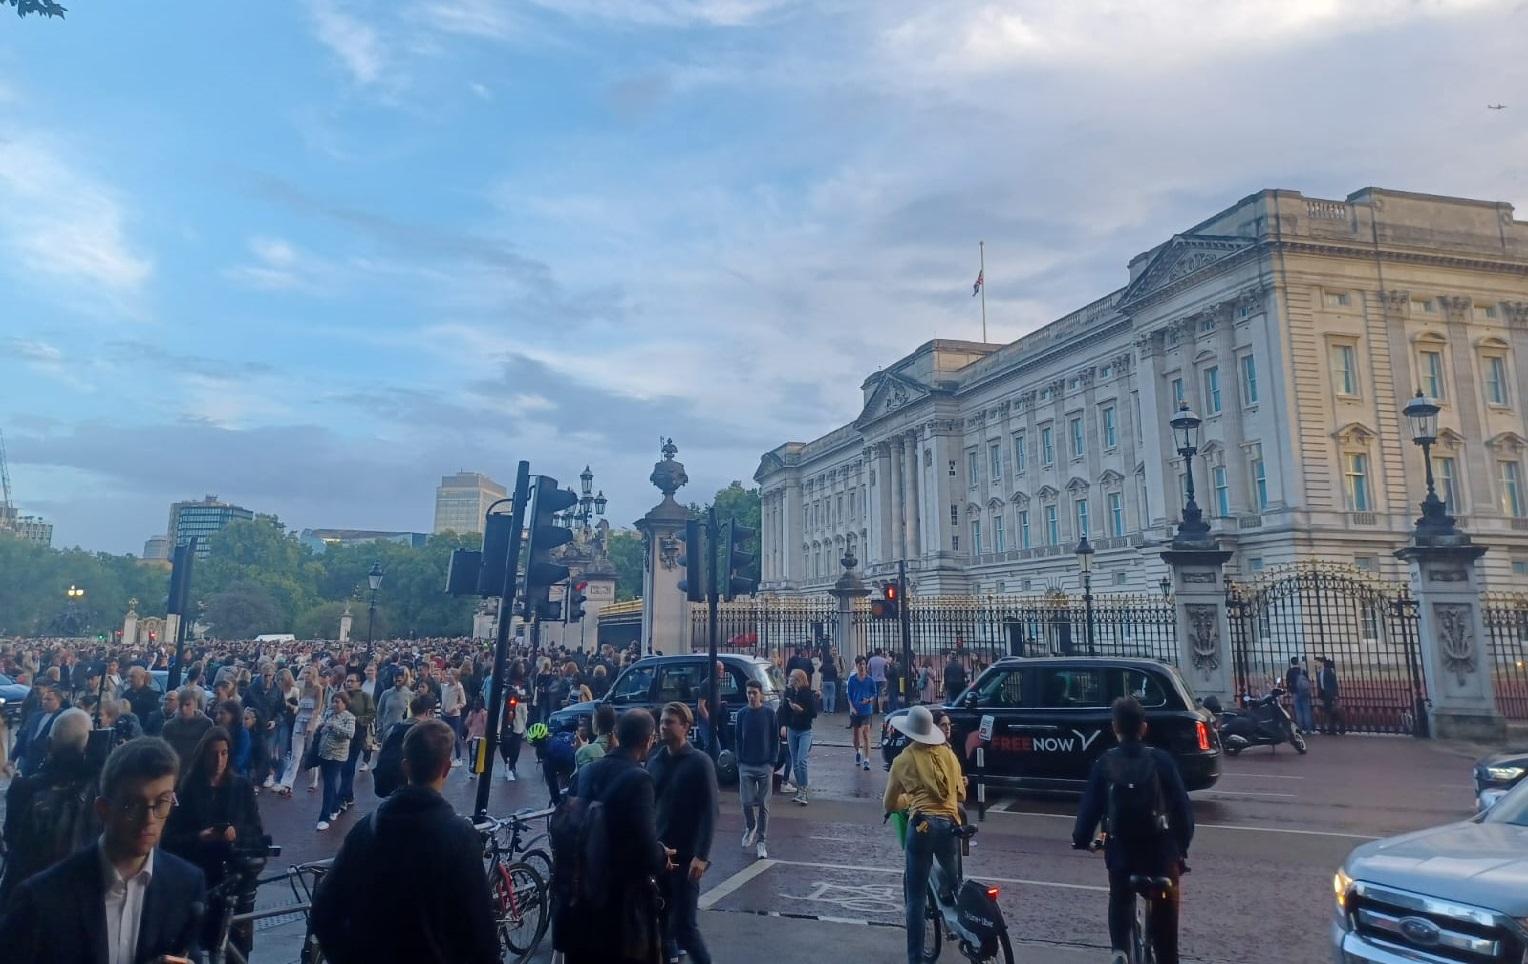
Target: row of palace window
[829, 511]
[1076, 441]
[1432, 377]
[1213, 398]
[1048, 522]
[1509, 483]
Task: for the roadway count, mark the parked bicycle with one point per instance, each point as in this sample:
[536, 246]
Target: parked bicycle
[521, 894]
[224, 899]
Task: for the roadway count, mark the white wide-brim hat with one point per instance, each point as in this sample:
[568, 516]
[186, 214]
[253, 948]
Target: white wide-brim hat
[918, 725]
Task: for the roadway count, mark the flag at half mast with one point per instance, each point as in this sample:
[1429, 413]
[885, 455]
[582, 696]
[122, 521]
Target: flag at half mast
[976, 288]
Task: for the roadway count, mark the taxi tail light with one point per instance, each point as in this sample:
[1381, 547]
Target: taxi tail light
[1202, 729]
[992, 893]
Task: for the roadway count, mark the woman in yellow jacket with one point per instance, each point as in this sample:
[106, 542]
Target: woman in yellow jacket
[925, 781]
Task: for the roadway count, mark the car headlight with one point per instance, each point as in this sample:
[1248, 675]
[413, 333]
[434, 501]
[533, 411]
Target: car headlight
[1342, 886]
[1503, 774]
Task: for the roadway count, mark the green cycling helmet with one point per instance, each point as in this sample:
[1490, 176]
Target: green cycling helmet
[537, 732]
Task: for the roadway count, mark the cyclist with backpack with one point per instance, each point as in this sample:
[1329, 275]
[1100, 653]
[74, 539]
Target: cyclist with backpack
[557, 753]
[1136, 790]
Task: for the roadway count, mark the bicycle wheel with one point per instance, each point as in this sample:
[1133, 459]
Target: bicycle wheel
[521, 904]
[1004, 953]
[540, 861]
[1140, 933]
[933, 928]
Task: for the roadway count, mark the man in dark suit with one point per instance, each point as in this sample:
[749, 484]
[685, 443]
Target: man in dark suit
[626, 929]
[32, 742]
[120, 900]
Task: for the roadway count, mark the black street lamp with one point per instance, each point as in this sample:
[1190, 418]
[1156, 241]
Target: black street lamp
[1166, 585]
[1435, 522]
[1193, 531]
[1084, 552]
[374, 578]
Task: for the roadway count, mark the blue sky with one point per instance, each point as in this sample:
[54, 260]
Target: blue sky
[311, 255]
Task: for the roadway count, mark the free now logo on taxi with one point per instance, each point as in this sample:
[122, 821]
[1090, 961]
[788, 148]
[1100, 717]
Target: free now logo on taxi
[1078, 742]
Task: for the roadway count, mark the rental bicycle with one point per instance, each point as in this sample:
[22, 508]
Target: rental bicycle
[227, 946]
[1148, 892]
[521, 895]
[965, 912]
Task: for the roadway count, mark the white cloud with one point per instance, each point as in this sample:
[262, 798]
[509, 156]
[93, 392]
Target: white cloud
[280, 266]
[671, 13]
[355, 42]
[63, 222]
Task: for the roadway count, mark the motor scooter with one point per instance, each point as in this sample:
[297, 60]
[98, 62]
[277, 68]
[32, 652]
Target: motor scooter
[1263, 722]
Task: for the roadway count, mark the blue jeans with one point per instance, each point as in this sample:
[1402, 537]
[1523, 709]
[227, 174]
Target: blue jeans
[1304, 718]
[347, 774]
[800, 742]
[830, 696]
[333, 772]
[933, 841]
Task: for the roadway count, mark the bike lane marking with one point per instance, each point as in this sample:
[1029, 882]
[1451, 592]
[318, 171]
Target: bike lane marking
[734, 882]
[1213, 826]
[983, 877]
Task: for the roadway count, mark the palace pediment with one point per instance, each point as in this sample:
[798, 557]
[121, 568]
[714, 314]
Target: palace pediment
[891, 394]
[1185, 255]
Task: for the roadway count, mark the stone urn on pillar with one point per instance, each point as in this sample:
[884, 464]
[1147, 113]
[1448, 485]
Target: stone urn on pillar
[130, 623]
[345, 620]
[665, 610]
[846, 590]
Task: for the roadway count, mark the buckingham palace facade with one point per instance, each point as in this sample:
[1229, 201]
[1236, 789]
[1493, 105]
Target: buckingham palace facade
[1296, 327]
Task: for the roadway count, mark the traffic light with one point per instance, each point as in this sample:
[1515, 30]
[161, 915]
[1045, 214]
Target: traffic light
[463, 572]
[541, 573]
[738, 561]
[550, 610]
[573, 601]
[497, 528]
[693, 559]
[889, 605]
[153, 636]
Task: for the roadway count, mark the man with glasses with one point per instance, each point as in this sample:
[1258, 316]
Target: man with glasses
[120, 900]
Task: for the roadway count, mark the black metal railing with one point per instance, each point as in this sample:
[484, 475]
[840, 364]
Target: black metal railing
[1506, 618]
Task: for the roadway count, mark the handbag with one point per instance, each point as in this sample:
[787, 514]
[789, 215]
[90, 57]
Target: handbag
[310, 756]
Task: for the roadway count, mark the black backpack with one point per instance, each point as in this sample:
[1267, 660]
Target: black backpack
[62, 819]
[581, 853]
[1137, 808]
[387, 775]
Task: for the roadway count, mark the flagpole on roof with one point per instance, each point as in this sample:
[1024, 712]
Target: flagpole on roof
[981, 250]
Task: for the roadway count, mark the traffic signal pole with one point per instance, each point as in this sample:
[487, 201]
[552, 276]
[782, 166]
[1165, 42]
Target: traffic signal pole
[180, 592]
[903, 618]
[501, 635]
[713, 599]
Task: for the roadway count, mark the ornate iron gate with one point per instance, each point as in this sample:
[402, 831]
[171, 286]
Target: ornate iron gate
[1366, 626]
[1506, 616]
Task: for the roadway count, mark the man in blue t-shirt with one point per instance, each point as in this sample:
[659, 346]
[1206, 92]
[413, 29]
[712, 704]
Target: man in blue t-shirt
[862, 693]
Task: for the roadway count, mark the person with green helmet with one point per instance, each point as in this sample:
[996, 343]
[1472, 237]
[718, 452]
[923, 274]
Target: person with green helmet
[557, 753]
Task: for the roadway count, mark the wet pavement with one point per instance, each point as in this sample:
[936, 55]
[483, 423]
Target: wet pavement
[1270, 835]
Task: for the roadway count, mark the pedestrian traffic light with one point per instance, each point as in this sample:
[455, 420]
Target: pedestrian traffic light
[541, 573]
[573, 600]
[153, 636]
[693, 558]
[888, 606]
[550, 610]
[738, 561]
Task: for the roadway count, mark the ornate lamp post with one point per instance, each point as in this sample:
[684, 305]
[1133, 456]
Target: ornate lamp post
[1084, 552]
[1193, 530]
[1166, 585]
[374, 579]
[1435, 522]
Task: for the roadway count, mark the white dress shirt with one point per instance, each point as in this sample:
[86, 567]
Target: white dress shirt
[124, 908]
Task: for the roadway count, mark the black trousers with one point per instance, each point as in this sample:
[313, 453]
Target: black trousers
[681, 925]
[1164, 916]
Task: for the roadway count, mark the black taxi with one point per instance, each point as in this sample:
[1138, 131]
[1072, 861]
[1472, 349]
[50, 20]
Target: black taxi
[1042, 722]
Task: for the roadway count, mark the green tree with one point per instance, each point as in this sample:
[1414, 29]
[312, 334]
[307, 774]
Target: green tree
[243, 612]
[626, 553]
[45, 8]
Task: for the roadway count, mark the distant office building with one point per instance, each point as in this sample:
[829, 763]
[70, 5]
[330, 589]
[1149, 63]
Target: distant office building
[319, 540]
[156, 549]
[30, 528]
[202, 519]
[462, 500]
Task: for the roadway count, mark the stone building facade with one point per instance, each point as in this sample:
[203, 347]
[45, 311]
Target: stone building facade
[1296, 327]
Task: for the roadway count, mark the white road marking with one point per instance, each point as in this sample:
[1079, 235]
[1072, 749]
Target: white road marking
[1259, 776]
[1215, 826]
[982, 877]
[1249, 793]
[715, 894]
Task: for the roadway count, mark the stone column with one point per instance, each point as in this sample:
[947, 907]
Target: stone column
[346, 619]
[665, 610]
[846, 590]
[130, 625]
[1451, 631]
[914, 491]
[1204, 629]
[484, 619]
[898, 503]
